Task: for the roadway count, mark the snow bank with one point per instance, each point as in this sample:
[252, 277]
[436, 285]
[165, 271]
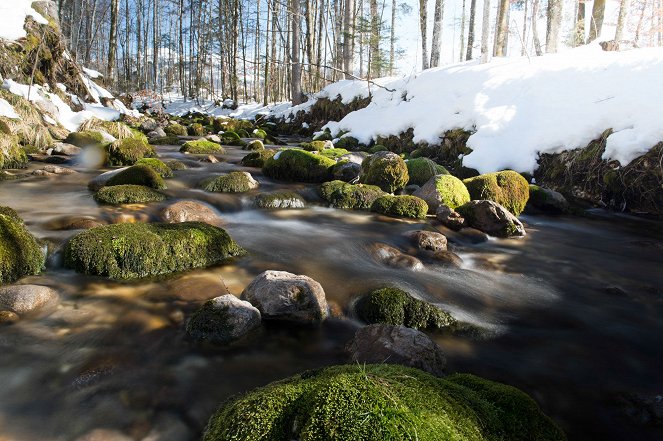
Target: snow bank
[12, 18]
[7, 110]
[520, 107]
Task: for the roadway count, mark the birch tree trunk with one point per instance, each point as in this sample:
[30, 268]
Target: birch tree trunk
[423, 16]
[296, 70]
[112, 49]
[348, 30]
[502, 28]
[621, 20]
[436, 44]
[485, 31]
[598, 11]
[554, 24]
[470, 31]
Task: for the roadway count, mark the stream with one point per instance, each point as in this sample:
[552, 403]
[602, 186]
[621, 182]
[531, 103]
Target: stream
[571, 313]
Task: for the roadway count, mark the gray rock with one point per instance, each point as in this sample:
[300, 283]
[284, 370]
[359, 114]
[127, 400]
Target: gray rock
[223, 319]
[99, 181]
[449, 218]
[492, 218]
[282, 199]
[354, 157]
[395, 258]
[380, 343]
[157, 133]
[285, 296]
[214, 138]
[347, 172]
[448, 259]
[411, 189]
[149, 125]
[73, 223]
[547, 200]
[28, 299]
[62, 148]
[169, 427]
[189, 211]
[427, 240]
[49, 170]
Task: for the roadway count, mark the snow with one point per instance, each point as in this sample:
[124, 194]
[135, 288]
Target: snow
[12, 18]
[519, 108]
[92, 73]
[7, 110]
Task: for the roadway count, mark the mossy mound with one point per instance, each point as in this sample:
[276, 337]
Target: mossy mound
[325, 135]
[401, 206]
[313, 146]
[386, 170]
[202, 147]
[445, 190]
[378, 148]
[340, 194]
[421, 170]
[393, 306]
[298, 166]
[175, 130]
[11, 153]
[196, 129]
[254, 145]
[116, 129]
[131, 251]
[257, 158]
[231, 138]
[242, 133]
[166, 140]
[138, 175]
[20, 254]
[333, 153]
[382, 402]
[157, 165]
[86, 139]
[280, 199]
[233, 182]
[260, 134]
[129, 150]
[128, 194]
[176, 165]
[347, 142]
[508, 188]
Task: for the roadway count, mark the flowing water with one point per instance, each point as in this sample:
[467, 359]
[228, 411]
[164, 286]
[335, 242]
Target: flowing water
[571, 314]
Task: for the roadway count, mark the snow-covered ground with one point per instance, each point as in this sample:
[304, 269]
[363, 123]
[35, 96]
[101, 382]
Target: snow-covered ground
[12, 18]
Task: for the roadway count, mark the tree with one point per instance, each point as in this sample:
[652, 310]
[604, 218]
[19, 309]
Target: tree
[470, 31]
[423, 17]
[437, 33]
[348, 31]
[502, 28]
[579, 28]
[112, 49]
[623, 9]
[485, 31]
[598, 11]
[535, 32]
[296, 75]
[554, 23]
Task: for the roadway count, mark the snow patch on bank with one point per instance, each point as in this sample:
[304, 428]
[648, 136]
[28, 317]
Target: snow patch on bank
[12, 18]
[7, 110]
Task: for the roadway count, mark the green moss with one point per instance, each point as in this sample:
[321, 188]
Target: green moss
[231, 138]
[157, 165]
[129, 150]
[242, 133]
[233, 182]
[401, 206]
[507, 188]
[537, 195]
[298, 166]
[128, 194]
[347, 142]
[11, 153]
[175, 130]
[313, 146]
[20, 254]
[257, 158]
[130, 251]
[86, 139]
[202, 147]
[340, 194]
[167, 140]
[196, 129]
[175, 165]
[378, 148]
[394, 306]
[280, 199]
[387, 171]
[254, 145]
[382, 402]
[260, 134]
[440, 170]
[451, 191]
[323, 136]
[138, 175]
[334, 153]
[421, 170]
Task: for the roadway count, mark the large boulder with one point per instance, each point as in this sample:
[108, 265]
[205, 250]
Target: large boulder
[132, 251]
[391, 344]
[189, 211]
[129, 150]
[87, 139]
[387, 170]
[128, 194]
[421, 170]
[20, 254]
[298, 166]
[223, 319]
[101, 180]
[202, 147]
[427, 240]
[443, 189]
[491, 218]
[157, 165]
[346, 171]
[28, 299]
[257, 158]
[381, 402]
[280, 199]
[138, 175]
[393, 306]
[233, 182]
[547, 200]
[340, 194]
[285, 296]
[400, 206]
[507, 188]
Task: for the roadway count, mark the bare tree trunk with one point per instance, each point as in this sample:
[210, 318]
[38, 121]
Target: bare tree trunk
[112, 47]
[423, 17]
[621, 20]
[348, 30]
[535, 32]
[470, 31]
[436, 44]
[265, 99]
[485, 31]
[296, 75]
[579, 28]
[554, 24]
[502, 28]
[638, 28]
[598, 11]
[462, 34]
[375, 56]
[523, 49]
[392, 38]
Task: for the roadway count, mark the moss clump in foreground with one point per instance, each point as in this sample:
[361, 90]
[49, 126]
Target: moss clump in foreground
[298, 166]
[11, 153]
[128, 194]
[254, 145]
[507, 188]
[131, 251]
[233, 182]
[257, 158]
[202, 147]
[129, 150]
[340, 194]
[20, 254]
[86, 139]
[386, 170]
[382, 402]
[157, 165]
[394, 306]
[138, 175]
[401, 206]
[446, 190]
[422, 169]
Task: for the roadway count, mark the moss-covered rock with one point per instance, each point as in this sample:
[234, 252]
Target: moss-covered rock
[166, 140]
[257, 158]
[280, 199]
[176, 165]
[508, 188]
[231, 138]
[242, 133]
[157, 165]
[340, 194]
[233, 182]
[254, 145]
[130, 251]
[378, 148]
[382, 402]
[548, 201]
[298, 166]
[86, 139]
[394, 306]
[325, 135]
[11, 153]
[421, 170]
[223, 319]
[128, 194]
[347, 142]
[129, 150]
[260, 134]
[196, 129]
[175, 130]
[401, 206]
[138, 175]
[20, 254]
[316, 146]
[386, 170]
[333, 153]
[202, 147]
[443, 190]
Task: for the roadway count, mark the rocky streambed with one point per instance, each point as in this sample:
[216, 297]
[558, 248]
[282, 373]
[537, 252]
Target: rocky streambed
[568, 313]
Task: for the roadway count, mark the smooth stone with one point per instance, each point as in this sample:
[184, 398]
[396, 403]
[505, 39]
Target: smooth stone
[73, 223]
[492, 218]
[62, 148]
[447, 258]
[427, 240]
[393, 257]
[28, 299]
[449, 218]
[223, 319]
[53, 170]
[8, 317]
[101, 180]
[189, 211]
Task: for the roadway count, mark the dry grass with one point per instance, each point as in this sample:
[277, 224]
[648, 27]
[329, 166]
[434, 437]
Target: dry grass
[117, 129]
[31, 128]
